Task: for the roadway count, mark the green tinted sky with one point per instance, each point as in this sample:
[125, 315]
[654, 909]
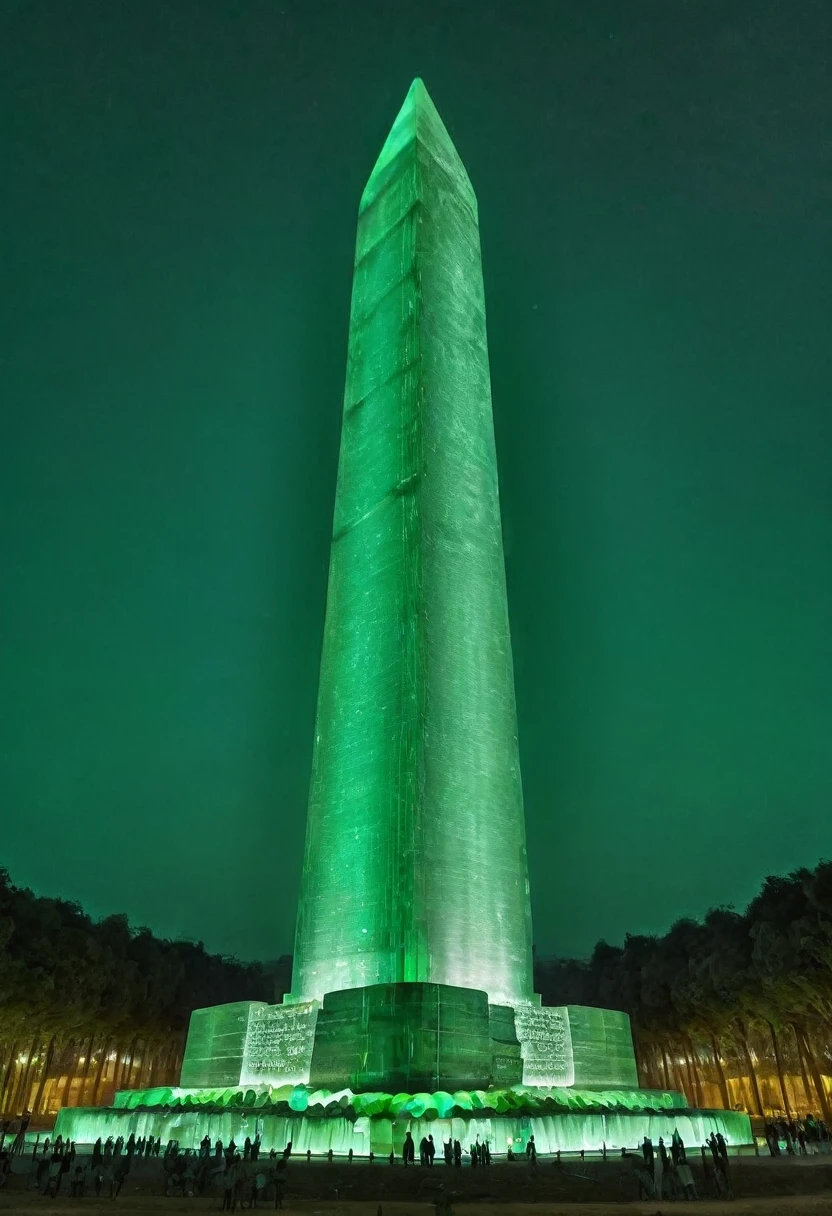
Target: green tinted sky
[180, 183]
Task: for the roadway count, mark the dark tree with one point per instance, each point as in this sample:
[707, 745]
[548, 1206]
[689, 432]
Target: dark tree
[78, 996]
[735, 1010]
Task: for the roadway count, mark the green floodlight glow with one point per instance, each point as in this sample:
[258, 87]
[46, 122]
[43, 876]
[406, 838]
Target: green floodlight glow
[415, 862]
[566, 1130]
[413, 966]
[518, 1099]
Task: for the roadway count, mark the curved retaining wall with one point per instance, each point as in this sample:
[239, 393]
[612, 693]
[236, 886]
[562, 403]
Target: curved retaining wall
[552, 1133]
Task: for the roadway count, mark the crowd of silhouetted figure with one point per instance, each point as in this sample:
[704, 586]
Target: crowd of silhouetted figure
[247, 1175]
[663, 1173]
[797, 1137]
[452, 1152]
[242, 1174]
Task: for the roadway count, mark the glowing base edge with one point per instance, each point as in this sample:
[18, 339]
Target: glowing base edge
[343, 1121]
[297, 1099]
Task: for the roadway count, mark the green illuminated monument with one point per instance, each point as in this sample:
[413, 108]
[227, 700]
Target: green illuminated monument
[415, 831]
[413, 942]
[412, 987]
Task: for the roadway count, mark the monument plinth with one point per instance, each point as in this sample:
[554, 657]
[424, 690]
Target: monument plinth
[412, 984]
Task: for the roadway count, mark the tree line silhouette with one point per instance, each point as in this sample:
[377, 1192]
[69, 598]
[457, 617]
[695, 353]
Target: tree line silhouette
[88, 1007]
[734, 1010]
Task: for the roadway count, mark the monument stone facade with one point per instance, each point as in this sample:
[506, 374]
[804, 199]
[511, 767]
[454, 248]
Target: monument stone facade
[413, 959]
[412, 985]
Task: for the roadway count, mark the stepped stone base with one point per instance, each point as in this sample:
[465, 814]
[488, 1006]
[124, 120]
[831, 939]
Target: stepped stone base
[414, 1037]
[407, 1037]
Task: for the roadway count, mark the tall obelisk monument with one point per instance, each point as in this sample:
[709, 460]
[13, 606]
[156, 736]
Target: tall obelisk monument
[415, 864]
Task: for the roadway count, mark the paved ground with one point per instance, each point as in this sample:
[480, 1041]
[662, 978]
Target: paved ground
[763, 1186]
[139, 1205]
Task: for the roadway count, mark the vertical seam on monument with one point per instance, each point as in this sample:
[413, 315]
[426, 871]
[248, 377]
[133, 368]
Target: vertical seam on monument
[410, 674]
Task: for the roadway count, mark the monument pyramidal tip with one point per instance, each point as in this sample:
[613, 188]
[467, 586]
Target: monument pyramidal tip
[412, 995]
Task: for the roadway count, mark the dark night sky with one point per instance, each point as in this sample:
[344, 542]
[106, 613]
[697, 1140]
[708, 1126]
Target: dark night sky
[180, 182]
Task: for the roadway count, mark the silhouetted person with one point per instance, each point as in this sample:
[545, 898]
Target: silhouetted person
[408, 1150]
[643, 1177]
[531, 1149]
[457, 1154]
[442, 1206]
[53, 1184]
[230, 1184]
[41, 1172]
[19, 1142]
[677, 1148]
[279, 1183]
[658, 1168]
[721, 1162]
[784, 1133]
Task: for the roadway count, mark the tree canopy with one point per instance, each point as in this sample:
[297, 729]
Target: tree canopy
[75, 992]
[752, 988]
[67, 972]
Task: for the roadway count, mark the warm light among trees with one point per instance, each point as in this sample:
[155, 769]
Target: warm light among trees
[88, 1008]
[735, 1010]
